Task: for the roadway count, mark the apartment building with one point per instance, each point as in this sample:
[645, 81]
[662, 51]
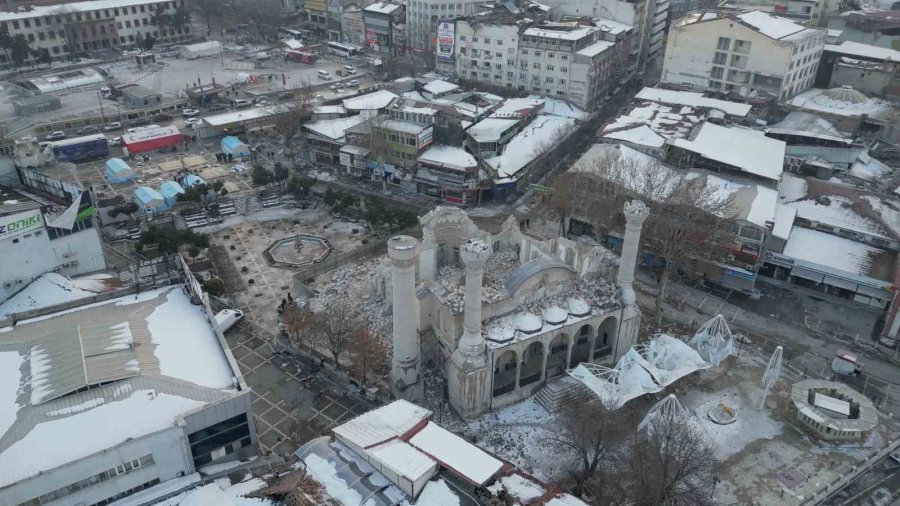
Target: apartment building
[422, 18]
[753, 53]
[385, 27]
[579, 60]
[74, 28]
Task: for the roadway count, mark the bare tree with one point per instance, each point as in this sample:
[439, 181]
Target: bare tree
[367, 354]
[590, 432]
[210, 11]
[336, 331]
[687, 214]
[264, 14]
[670, 463]
[296, 320]
[289, 120]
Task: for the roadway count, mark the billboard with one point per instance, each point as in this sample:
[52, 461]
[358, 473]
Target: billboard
[19, 223]
[425, 137]
[446, 32]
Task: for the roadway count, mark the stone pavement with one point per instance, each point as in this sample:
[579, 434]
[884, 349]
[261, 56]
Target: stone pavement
[291, 403]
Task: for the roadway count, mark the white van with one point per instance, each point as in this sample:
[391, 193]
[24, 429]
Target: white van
[324, 75]
[349, 69]
[226, 318]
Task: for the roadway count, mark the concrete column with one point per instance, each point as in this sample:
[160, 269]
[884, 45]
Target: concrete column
[635, 214]
[518, 371]
[403, 251]
[474, 255]
[572, 340]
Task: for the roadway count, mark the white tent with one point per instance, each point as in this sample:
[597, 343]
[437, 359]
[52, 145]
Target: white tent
[713, 340]
[671, 359]
[210, 48]
[628, 380]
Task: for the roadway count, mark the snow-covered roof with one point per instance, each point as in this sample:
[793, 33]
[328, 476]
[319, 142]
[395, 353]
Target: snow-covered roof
[382, 7]
[455, 453]
[51, 289]
[528, 144]
[558, 107]
[292, 43]
[403, 459]
[238, 116]
[490, 129]
[596, 48]
[370, 101]
[748, 150]
[693, 99]
[816, 99]
[518, 107]
[859, 50]
[836, 211]
[439, 86]
[448, 156]
[791, 188]
[379, 425]
[806, 124]
[823, 249]
[402, 126]
[771, 26]
[53, 9]
[670, 122]
[576, 33]
[329, 109]
[519, 487]
[784, 221]
[43, 425]
[747, 201]
[333, 128]
[354, 150]
[641, 135]
[611, 25]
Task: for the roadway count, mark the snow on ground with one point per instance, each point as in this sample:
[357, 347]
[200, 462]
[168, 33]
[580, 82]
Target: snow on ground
[182, 333]
[51, 444]
[518, 486]
[321, 175]
[51, 289]
[10, 377]
[752, 423]
[518, 433]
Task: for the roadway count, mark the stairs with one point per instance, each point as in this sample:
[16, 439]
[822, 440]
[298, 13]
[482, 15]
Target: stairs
[195, 218]
[560, 392]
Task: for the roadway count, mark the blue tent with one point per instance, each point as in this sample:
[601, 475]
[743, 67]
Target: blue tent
[170, 191]
[192, 180]
[149, 199]
[233, 146]
[117, 171]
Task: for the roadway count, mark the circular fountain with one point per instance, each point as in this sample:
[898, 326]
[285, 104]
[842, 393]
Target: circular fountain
[722, 414]
[297, 251]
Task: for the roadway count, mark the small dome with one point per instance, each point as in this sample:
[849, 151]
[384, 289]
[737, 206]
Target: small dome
[844, 94]
[500, 331]
[578, 307]
[528, 323]
[554, 315]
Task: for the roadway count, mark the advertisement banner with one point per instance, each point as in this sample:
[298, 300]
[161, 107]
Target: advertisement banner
[446, 32]
[62, 217]
[19, 223]
[425, 137]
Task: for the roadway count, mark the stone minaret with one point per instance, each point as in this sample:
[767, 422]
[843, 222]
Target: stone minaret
[468, 370]
[406, 382]
[635, 214]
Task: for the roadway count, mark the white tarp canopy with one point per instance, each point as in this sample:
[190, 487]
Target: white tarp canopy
[713, 340]
[671, 359]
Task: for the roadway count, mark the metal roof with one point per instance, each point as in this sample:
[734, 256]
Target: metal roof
[529, 269]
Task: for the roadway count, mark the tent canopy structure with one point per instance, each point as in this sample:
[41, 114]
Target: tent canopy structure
[192, 180]
[149, 199]
[170, 191]
[117, 171]
[233, 146]
[713, 340]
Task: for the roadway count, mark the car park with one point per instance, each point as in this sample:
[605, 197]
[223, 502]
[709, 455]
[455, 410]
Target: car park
[88, 130]
[112, 127]
[189, 112]
[353, 83]
[55, 136]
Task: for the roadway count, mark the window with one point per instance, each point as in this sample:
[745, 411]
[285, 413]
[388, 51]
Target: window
[724, 43]
[564, 69]
[538, 53]
[564, 57]
[742, 46]
[37, 21]
[487, 40]
[536, 65]
[720, 58]
[549, 67]
[462, 38]
[509, 75]
[41, 36]
[474, 39]
[551, 55]
[510, 62]
[548, 79]
[524, 51]
[498, 66]
[26, 23]
[499, 42]
[562, 81]
[127, 23]
[717, 72]
[143, 9]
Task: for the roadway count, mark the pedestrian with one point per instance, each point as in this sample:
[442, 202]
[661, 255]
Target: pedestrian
[290, 298]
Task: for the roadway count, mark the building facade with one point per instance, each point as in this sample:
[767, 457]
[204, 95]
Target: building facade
[754, 53]
[384, 28]
[74, 28]
[422, 18]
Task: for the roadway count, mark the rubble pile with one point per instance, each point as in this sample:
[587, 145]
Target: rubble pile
[353, 286]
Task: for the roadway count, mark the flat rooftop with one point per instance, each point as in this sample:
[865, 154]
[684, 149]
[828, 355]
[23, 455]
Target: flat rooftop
[77, 382]
[12, 202]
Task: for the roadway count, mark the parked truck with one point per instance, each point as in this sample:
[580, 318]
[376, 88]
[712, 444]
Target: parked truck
[79, 149]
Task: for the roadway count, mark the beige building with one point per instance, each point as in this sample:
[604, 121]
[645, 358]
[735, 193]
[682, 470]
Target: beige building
[750, 54]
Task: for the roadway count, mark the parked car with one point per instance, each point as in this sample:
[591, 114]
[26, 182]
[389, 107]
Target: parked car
[241, 103]
[140, 121]
[318, 99]
[112, 127]
[189, 112]
[262, 101]
[349, 69]
[162, 117]
[115, 141]
[88, 130]
[353, 83]
[192, 121]
[218, 106]
[336, 86]
[55, 136]
[226, 318]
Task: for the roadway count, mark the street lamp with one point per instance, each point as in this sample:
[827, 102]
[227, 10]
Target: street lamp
[716, 480]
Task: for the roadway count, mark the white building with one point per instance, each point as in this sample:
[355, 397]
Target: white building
[422, 18]
[78, 27]
[754, 53]
[30, 247]
[573, 60]
[115, 396]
